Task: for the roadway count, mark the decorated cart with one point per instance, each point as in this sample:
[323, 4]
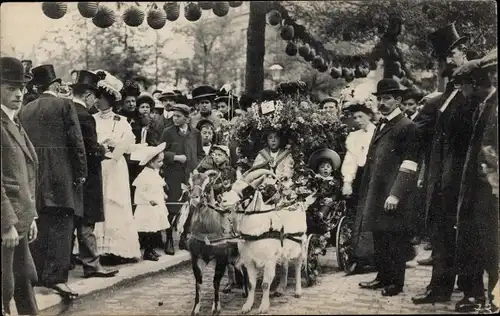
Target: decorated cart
[305, 130]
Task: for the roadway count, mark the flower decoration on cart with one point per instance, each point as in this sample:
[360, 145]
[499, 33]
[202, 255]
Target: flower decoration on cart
[304, 129]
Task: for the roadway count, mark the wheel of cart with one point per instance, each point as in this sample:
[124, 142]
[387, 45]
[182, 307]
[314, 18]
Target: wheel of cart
[313, 250]
[343, 245]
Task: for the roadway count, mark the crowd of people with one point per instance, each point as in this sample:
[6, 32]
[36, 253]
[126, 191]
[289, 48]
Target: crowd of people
[92, 177]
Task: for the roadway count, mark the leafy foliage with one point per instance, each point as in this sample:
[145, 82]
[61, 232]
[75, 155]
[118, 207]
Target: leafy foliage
[361, 21]
[215, 51]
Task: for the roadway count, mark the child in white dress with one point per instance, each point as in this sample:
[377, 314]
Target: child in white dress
[151, 212]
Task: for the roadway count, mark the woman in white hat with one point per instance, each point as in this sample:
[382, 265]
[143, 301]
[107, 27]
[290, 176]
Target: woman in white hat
[117, 236]
[151, 212]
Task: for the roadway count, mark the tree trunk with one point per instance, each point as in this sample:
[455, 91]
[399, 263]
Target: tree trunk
[256, 49]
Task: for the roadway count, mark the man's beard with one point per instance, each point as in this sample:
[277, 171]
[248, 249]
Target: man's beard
[205, 112]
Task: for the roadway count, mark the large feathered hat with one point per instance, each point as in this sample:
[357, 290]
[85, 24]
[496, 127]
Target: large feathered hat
[110, 84]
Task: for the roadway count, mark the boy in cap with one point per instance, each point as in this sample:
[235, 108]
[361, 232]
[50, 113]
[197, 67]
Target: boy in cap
[183, 152]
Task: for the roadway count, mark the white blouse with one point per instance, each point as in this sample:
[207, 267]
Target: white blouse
[115, 127]
[357, 144]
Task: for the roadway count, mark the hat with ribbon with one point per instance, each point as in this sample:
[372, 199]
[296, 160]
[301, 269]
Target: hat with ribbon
[204, 92]
[445, 39]
[110, 84]
[44, 75]
[151, 152]
[324, 154]
[389, 86]
[12, 71]
[87, 79]
[182, 108]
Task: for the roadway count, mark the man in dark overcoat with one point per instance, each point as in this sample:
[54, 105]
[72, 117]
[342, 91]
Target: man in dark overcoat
[183, 153]
[18, 191]
[446, 126]
[388, 181]
[52, 124]
[477, 220]
[93, 205]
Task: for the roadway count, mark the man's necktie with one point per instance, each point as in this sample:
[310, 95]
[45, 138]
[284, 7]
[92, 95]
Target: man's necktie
[18, 124]
[383, 120]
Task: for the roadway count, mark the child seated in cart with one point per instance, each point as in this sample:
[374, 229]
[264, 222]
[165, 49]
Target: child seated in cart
[322, 215]
[219, 160]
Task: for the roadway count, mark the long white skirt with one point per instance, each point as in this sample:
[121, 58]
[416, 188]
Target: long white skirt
[117, 235]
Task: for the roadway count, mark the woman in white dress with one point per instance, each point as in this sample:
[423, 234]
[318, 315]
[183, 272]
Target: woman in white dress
[117, 236]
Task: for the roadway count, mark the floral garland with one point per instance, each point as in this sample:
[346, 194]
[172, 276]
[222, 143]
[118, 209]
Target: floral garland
[304, 126]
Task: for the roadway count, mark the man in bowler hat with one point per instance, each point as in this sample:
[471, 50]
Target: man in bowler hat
[52, 124]
[19, 176]
[387, 184]
[84, 89]
[445, 124]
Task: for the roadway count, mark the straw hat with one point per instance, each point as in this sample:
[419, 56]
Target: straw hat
[151, 152]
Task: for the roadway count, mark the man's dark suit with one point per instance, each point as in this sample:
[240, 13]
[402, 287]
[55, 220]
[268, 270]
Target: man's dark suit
[53, 127]
[384, 175]
[93, 205]
[18, 191]
[448, 134]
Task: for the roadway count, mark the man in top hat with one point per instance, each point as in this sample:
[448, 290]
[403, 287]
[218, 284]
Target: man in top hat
[477, 216]
[445, 124]
[19, 176]
[183, 153]
[203, 98]
[388, 180]
[84, 89]
[53, 127]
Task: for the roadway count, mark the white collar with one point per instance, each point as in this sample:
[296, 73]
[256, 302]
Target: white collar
[51, 93]
[168, 114]
[394, 113]
[76, 100]
[184, 129]
[10, 113]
